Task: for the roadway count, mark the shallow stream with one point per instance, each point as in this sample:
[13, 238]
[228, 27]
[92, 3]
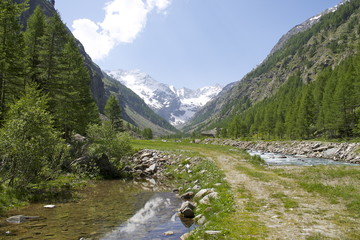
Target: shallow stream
[108, 210]
[285, 159]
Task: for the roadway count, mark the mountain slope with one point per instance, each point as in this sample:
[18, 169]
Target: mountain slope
[328, 41]
[135, 110]
[177, 106]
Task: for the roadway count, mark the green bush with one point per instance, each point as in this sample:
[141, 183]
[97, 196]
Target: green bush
[31, 149]
[104, 140]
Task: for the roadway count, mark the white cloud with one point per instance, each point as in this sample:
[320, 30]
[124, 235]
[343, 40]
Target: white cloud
[161, 5]
[123, 21]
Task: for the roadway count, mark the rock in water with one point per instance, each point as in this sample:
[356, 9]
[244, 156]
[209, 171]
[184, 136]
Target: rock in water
[168, 233]
[49, 206]
[187, 209]
[21, 218]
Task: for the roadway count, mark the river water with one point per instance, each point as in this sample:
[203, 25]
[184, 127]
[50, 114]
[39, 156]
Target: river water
[285, 159]
[108, 210]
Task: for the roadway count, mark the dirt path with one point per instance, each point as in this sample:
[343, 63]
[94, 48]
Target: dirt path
[287, 211]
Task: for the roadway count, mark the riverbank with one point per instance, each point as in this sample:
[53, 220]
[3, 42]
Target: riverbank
[348, 152]
[278, 202]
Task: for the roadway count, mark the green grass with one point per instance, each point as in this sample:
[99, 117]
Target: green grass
[260, 175]
[287, 201]
[258, 171]
[334, 183]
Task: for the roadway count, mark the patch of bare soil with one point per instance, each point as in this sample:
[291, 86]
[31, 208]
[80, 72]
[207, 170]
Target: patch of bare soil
[313, 216]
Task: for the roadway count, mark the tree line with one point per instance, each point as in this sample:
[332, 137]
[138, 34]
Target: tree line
[326, 108]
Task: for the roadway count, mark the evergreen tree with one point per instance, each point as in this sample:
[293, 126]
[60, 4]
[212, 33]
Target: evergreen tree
[268, 125]
[12, 73]
[319, 89]
[306, 114]
[234, 127]
[113, 112]
[74, 107]
[224, 133]
[147, 133]
[34, 40]
[55, 38]
[346, 98]
[290, 120]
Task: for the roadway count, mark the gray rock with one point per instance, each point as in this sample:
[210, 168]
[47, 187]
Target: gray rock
[185, 236]
[187, 196]
[201, 194]
[187, 204]
[206, 200]
[329, 153]
[168, 233]
[211, 232]
[21, 218]
[152, 168]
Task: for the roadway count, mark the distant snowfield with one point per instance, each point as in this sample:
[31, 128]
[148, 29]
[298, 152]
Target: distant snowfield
[175, 105]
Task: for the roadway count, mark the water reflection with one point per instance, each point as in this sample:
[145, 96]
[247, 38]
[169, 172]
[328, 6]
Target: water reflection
[151, 222]
[284, 159]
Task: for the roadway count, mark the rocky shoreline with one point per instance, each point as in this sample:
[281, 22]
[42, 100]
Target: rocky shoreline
[153, 165]
[347, 152]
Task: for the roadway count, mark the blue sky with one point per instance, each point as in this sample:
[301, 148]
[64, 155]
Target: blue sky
[185, 43]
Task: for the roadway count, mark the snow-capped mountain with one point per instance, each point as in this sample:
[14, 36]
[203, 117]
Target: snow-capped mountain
[175, 105]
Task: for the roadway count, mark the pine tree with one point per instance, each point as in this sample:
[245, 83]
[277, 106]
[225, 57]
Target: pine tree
[306, 115]
[11, 53]
[234, 127]
[147, 133]
[34, 40]
[318, 92]
[113, 112]
[346, 98]
[55, 38]
[74, 107]
[268, 125]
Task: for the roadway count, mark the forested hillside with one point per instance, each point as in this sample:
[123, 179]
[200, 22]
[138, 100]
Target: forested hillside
[308, 88]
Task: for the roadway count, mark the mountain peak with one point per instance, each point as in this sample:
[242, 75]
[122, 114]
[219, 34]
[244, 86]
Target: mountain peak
[175, 105]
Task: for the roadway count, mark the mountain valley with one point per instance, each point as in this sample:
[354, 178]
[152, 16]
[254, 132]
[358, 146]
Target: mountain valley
[177, 106]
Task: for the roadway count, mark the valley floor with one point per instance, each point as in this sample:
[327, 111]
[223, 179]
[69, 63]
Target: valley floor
[286, 202]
